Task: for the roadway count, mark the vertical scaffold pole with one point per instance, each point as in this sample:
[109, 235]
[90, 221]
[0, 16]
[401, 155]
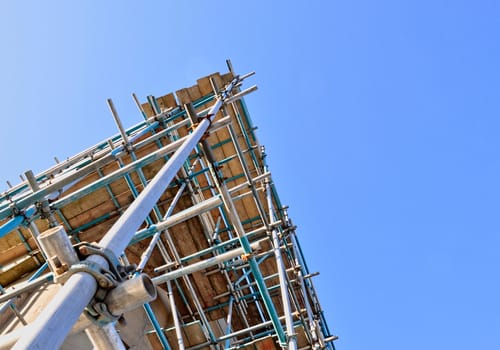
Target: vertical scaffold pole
[177, 324]
[238, 228]
[245, 244]
[292, 341]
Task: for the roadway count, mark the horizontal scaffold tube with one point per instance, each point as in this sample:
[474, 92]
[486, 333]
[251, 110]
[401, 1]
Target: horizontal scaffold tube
[140, 163]
[15, 222]
[31, 198]
[26, 286]
[193, 211]
[203, 264]
[101, 149]
[99, 162]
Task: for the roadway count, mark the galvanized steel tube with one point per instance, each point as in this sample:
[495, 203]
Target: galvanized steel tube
[173, 308]
[203, 264]
[130, 294]
[105, 337]
[287, 310]
[51, 327]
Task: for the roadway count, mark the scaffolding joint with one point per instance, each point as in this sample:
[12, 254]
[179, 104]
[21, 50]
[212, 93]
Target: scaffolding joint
[217, 166]
[111, 282]
[97, 312]
[104, 278]
[129, 148]
[246, 257]
[28, 216]
[43, 210]
[14, 209]
[119, 272]
[194, 125]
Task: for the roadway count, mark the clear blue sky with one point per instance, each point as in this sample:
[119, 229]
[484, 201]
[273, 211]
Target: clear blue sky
[381, 120]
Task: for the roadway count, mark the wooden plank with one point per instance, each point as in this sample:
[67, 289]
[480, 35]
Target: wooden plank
[183, 96]
[267, 343]
[194, 93]
[83, 182]
[217, 78]
[94, 234]
[9, 240]
[28, 264]
[194, 334]
[167, 101]
[15, 252]
[86, 203]
[148, 109]
[93, 214]
[301, 337]
[204, 84]
[227, 77]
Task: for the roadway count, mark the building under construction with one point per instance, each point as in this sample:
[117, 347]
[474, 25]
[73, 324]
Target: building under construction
[168, 235]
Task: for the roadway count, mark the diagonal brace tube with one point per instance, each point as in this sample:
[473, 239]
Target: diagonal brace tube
[51, 328]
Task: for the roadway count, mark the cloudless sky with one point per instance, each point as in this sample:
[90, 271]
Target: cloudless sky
[380, 119]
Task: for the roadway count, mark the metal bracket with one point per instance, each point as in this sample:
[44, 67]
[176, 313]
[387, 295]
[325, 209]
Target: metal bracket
[121, 272]
[246, 257]
[97, 311]
[107, 279]
[39, 208]
[14, 209]
[198, 121]
[27, 219]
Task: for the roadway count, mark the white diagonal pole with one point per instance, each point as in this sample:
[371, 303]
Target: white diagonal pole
[52, 326]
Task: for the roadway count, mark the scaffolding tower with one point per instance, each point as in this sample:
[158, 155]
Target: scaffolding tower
[168, 235]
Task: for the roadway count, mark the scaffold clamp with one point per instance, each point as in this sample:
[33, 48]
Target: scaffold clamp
[119, 271]
[107, 279]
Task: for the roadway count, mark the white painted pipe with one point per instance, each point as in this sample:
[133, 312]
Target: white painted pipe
[7, 341]
[130, 294]
[105, 337]
[287, 310]
[178, 330]
[240, 95]
[58, 249]
[203, 264]
[199, 208]
[54, 323]
[50, 328]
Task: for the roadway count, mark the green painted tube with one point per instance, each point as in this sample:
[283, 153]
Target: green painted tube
[157, 327]
[15, 222]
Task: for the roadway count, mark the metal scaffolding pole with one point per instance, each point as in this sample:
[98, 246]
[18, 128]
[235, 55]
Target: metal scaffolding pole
[234, 219]
[203, 264]
[240, 155]
[287, 310]
[238, 227]
[52, 326]
[105, 337]
[97, 162]
[90, 159]
[188, 213]
[173, 307]
[16, 221]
